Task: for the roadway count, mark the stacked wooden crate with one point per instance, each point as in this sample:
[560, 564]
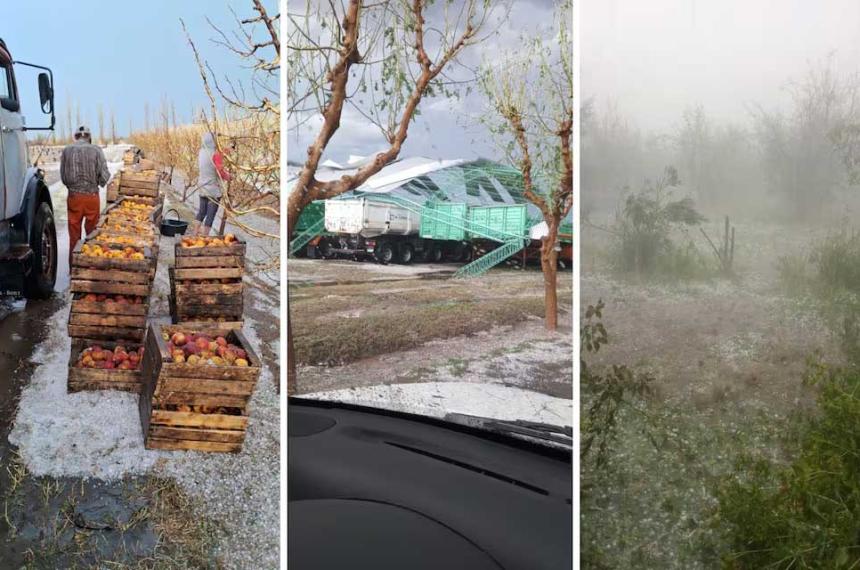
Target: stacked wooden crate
[141, 184]
[196, 385]
[206, 282]
[112, 273]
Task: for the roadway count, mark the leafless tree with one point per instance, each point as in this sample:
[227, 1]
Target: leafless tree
[531, 97]
[245, 116]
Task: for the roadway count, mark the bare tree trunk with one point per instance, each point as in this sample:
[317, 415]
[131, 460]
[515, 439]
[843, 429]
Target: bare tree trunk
[294, 210]
[292, 368]
[549, 266]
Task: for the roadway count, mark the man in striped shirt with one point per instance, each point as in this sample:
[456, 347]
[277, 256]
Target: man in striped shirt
[83, 169]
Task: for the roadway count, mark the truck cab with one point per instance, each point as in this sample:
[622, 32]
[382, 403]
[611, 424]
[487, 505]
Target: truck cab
[28, 236]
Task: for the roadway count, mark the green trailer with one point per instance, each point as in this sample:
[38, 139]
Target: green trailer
[444, 221]
[498, 223]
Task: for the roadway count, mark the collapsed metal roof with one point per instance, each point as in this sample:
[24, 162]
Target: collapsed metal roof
[419, 179]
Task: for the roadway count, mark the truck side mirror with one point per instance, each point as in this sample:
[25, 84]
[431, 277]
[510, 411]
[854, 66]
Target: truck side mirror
[46, 93]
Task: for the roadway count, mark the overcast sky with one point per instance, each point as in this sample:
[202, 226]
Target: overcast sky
[446, 128]
[655, 58]
[120, 54]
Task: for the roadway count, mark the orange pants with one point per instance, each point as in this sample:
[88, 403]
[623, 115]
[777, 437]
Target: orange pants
[81, 206]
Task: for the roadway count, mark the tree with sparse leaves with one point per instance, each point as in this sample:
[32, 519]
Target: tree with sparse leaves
[379, 58]
[530, 92]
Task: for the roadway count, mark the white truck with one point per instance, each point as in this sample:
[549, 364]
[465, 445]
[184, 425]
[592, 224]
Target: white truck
[28, 237]
[364, 227]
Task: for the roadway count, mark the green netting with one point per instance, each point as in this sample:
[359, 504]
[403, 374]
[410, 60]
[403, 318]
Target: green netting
[311, 215]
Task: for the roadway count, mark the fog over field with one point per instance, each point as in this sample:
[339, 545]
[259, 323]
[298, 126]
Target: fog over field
[720, 191]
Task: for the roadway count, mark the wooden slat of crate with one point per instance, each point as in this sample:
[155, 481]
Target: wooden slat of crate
[183, 433]
[208, 273]
[81, 261]
[192, 262]
[79, 305]
[125, 190]
[198, 420]
[80, 379]
[90, 319]
[80, 285]
[214, 299]
[192, 445]
[236, 248]
[208, 288]
[135, 334]
[192, 324]
[194, 312]
[196, 399]
[113, 276]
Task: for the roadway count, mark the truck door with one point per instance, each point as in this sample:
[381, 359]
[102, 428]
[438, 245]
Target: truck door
[5, 92]
[14, 143]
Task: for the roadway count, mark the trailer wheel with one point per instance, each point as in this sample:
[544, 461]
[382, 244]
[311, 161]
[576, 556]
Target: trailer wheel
[405, 254]
[465, 253]
[43, 241]
[434, 255]
[324, 249]
[384, 252]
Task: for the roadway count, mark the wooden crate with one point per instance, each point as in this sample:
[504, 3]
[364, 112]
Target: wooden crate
[140, 183]
[206, 282]
[167, 385]
[223, 320]
[111, 276]
[93, 319]
[80, 379]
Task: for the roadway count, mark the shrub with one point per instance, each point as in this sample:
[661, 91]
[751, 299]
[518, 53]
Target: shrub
[805, 514]
[644, 227]
[837, 262]
[607, 393]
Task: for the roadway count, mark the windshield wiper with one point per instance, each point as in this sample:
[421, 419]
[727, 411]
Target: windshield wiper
[562, 435]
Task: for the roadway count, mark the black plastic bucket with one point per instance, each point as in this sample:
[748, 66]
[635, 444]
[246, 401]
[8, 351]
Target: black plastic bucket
[171, 228]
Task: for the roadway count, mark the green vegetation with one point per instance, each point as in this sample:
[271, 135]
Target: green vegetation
[647, 231]
[805, 514]
[829, 279]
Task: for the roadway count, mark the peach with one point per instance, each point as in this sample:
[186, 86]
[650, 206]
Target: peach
[178, 339]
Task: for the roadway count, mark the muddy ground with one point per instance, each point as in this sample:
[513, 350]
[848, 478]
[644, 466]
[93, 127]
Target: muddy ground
[728, 357]
[360, 324]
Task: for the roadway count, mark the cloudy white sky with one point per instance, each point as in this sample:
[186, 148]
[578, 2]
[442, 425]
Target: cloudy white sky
[446, 128]
[655, 58]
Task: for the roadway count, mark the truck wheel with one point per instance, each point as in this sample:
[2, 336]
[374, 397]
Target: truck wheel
[384, 252]
[43, 241]
[434, 255]
[405, 254]
[465, 254]
[324, 249]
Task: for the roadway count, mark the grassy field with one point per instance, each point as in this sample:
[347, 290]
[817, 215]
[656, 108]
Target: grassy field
[728, 357]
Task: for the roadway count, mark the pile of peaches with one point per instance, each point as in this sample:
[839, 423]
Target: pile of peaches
[106, 359]
[202, 350]
[201, 241]
[128, 252]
